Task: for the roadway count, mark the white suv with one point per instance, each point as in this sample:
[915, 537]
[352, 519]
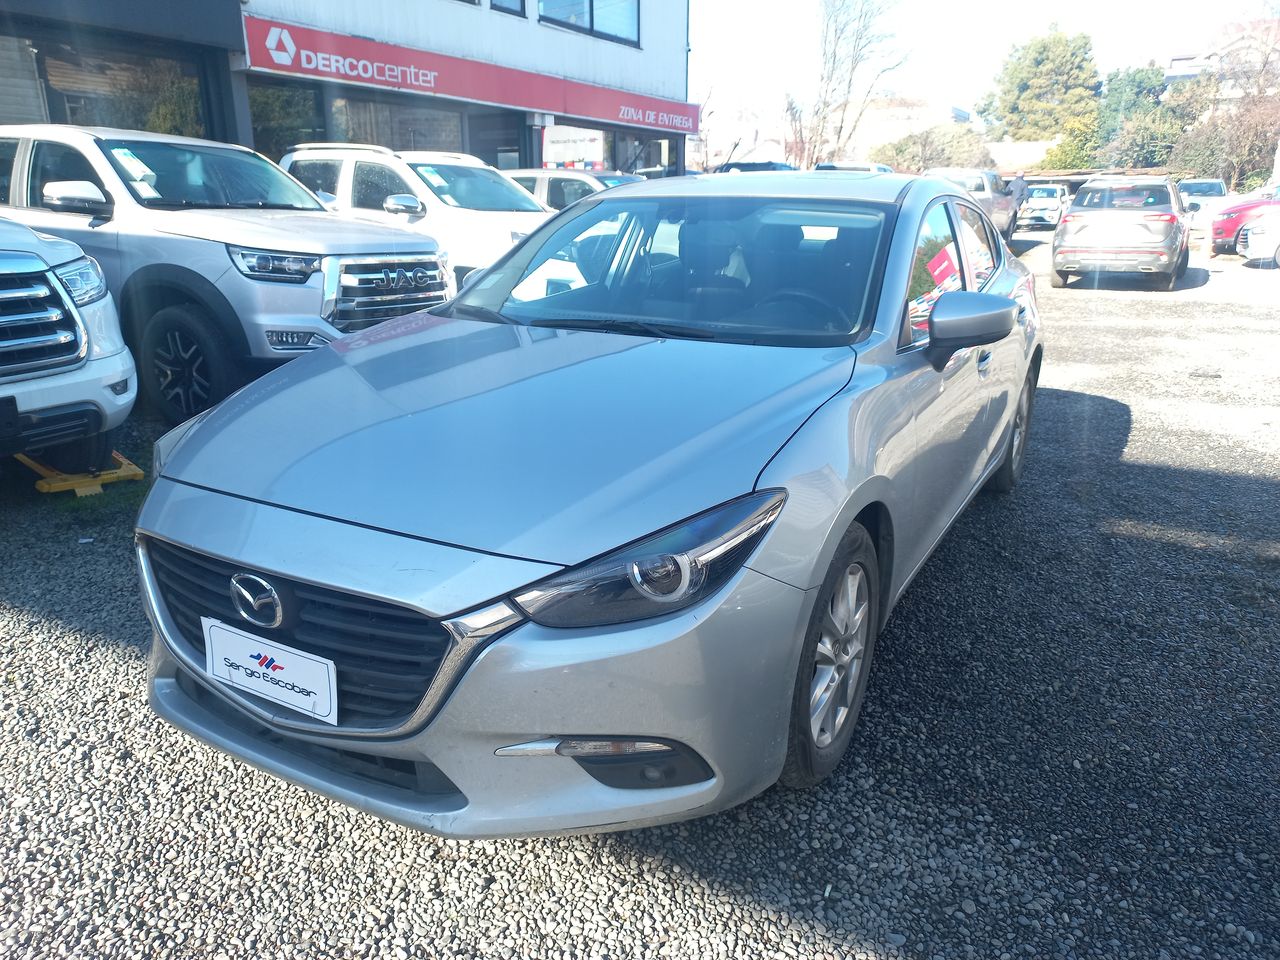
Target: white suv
[221, 263]
[472, 210]
[66, 377]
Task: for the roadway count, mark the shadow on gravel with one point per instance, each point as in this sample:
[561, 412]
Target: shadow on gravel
[1068, 744]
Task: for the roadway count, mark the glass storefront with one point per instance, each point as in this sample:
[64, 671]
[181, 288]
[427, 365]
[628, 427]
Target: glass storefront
[284, 114]
[398, 123]
[587, 148]
[85, 78]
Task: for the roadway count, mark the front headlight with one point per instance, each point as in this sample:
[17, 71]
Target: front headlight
[1226, 216]
[83, 279]
[665, 572]
[274, 265]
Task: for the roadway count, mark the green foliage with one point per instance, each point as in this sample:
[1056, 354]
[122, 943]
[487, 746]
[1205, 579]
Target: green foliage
[1078, 148]
[1043, 85]
[1128, 94]
[1146, 139]
[947, 145]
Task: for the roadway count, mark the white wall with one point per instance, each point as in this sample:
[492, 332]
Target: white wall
[659, 68]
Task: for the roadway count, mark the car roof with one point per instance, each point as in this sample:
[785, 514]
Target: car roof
[566, 172]
[438, 156]
[73, 131]
[796, 184]
[1127, 182]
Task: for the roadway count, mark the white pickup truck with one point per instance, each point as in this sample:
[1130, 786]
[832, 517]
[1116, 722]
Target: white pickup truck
[66, 377]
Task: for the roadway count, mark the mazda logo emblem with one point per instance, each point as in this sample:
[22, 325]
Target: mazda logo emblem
[402, 279]
[256, 600]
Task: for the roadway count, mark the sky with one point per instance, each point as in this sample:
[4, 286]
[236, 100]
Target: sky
[745, 55]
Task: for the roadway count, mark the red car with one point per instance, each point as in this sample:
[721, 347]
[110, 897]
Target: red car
[1227, 224]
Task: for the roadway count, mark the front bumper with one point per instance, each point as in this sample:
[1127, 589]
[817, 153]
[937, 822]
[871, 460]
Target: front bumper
[61, 407]
[1156, 259]
[716, 678]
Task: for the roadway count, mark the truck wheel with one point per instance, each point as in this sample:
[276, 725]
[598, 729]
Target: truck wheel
[86, 455]
[1057, 279]
[835, 662]
[186, 365]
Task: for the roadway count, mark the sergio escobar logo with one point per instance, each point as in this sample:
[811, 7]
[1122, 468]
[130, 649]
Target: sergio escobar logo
[265, 675]
[282, 49]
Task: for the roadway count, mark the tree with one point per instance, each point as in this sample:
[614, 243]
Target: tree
[1078, 148]
[948, 145]
[1127, 94]
[1233, 143]
[1044, 84]
[855, 58]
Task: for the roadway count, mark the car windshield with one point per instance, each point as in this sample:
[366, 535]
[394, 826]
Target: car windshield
[1203, 188]
[179, 175]
[1043, 192]
[1122, 196]
[475, 188]
[738, 269]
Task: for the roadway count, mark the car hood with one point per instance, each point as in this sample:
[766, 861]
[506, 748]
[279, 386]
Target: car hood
[293, 231]
[534, 443]
[20, 239]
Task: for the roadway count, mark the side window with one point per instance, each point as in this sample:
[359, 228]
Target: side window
[53, 162]
[935, 270]
[318, 176]
[8, 151]
[562, 191]
[529, 183]
[373, 183]
[995, 184]
[980, 250]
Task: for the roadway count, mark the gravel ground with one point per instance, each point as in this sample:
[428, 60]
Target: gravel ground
[1068, 748]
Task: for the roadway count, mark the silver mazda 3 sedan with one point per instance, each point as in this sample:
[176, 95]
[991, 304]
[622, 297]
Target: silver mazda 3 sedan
[607, 540]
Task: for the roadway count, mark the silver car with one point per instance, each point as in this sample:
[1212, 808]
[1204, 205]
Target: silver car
[604, 551]
[989, 189]
[1124, 225]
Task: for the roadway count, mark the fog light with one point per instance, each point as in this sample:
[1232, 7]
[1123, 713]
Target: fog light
[119, 388]
[295, 339]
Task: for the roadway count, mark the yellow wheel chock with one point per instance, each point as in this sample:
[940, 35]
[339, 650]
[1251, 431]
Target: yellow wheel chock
[84, 484]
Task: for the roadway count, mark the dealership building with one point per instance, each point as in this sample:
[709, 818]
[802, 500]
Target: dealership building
[519, 83]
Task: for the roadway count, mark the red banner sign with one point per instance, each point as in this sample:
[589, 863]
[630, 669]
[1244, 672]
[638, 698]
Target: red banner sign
[304, 52]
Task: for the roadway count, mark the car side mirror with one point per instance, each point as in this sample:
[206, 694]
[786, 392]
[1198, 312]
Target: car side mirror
[962, 318]
[76, 196]
[405, 203]
[1192, 207]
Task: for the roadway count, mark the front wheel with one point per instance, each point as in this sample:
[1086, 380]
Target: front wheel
[186, 366]
[1183, 261]
[835, 663]
[1057, 279]
[1010, 471]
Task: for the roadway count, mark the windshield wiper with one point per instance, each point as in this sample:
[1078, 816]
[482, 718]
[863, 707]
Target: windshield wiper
[646, 327]
[470, 312]
[264, 205]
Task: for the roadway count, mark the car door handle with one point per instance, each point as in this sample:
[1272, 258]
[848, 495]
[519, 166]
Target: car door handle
[984, 361]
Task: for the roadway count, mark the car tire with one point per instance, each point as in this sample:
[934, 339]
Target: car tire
[1057, 279]
[86, 455]
[1009, 472]
[1183, 262]
[185, 365]
[1165, 281]
[835, 663]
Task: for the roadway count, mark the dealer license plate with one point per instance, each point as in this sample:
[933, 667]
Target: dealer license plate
[273, 671]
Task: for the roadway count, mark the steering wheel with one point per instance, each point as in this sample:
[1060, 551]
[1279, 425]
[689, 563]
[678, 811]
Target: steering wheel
[813, 299]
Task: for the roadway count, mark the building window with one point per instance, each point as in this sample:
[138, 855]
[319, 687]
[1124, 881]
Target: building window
[612, 19]
[508, 6]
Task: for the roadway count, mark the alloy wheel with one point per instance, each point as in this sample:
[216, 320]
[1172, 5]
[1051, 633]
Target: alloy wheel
[837, 666]
[1020, 427]
[182, 373]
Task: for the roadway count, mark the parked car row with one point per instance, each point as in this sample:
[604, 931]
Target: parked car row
[220, 263]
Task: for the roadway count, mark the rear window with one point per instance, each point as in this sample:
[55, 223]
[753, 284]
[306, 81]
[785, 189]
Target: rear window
[1203, 188]
[1126, 197]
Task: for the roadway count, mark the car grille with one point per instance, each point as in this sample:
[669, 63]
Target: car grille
[37, 330]
[385, 655]
[376, 289]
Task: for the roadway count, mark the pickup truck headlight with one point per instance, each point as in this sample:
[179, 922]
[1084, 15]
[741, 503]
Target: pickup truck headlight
[663, 573]
[83, 279]
[274, 265]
